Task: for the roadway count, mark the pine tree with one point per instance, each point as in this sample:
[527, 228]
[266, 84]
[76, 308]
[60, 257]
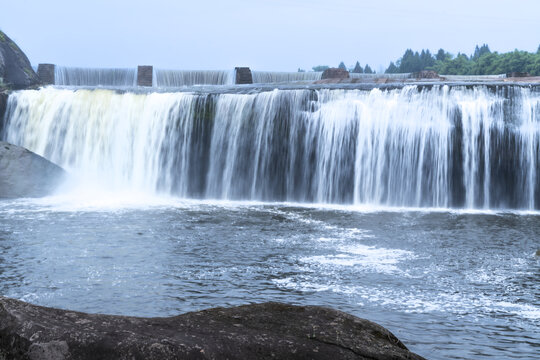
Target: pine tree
[392, 68]
[342, 66]
[441, 55]
[367, 70]
[357, 68]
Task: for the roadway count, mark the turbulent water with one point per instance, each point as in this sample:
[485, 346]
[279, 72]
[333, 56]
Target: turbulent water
[416, 208]
[440, 147]
[450, 285]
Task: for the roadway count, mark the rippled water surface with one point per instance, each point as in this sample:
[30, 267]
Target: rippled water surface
[459, 285]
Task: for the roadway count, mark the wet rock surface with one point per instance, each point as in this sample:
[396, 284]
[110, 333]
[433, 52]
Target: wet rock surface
[25, 174]
[15, 68]
[260, 331]
[335, 73]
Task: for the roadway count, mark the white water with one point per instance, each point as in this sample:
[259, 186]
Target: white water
[439, 148]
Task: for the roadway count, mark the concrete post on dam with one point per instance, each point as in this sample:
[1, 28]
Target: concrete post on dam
[45, 73]
[144, 75]
[243, 75]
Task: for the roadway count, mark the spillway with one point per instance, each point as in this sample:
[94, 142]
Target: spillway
[445, 147]
[79, 76]
[267, 77]
[179, 78]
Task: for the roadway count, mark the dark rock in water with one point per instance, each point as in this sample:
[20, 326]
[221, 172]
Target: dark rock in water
[517, 74]
[335, 73]
[25, 174]
[262, 331]
[424, 74]
[15, 69]
[3, 105]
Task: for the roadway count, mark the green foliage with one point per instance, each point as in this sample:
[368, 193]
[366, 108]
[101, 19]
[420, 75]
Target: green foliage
[482, 62]
[320, 67]
[301, 70]
[357, 68]
[342, 66]
[479, 51]
[367, 70]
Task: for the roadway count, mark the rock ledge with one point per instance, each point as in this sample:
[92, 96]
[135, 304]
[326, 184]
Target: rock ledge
[259, 331]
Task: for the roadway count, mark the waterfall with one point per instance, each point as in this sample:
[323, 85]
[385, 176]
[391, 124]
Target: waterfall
[263, 77]
[76, 76]
[178, 78]
[460, 147]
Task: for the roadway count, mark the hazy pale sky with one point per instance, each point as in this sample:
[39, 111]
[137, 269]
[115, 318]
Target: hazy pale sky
[280, 35]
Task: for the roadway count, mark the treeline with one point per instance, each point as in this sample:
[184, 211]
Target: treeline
[358, 69]
[481, 62]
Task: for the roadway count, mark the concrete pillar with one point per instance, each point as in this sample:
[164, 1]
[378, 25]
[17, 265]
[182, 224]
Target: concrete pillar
[243, 75]
[144, 75]
[45, 73]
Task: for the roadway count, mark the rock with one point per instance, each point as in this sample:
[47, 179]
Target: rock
[3, 106]
[260, 331]
[335, 73]
[515, 74]
[15, 68]
[25, 174]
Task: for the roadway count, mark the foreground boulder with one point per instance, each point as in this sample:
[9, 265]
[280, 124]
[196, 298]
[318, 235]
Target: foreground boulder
[261, 331]
[25, 174]
[15, 69]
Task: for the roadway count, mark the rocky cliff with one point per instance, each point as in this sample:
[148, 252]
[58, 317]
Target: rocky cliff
[15, 69]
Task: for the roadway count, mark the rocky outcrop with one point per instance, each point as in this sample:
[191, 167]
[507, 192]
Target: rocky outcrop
[25, 174]
[261, 331]
[335, 73]
[15, 69]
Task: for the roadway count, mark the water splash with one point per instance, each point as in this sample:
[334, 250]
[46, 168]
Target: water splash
[459, 147]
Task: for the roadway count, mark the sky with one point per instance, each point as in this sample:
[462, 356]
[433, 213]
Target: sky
[272, 35]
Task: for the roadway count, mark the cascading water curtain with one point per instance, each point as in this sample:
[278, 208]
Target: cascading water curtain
[439, 147]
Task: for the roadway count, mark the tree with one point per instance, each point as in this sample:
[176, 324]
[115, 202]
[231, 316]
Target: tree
[367, 70]
[320, 68]
[479, 51]
[441, 55]
[301, 70]
[342, 66]
[392, 68]
[538, 51]
[410, 62]
[426, 59]
[357, 68]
